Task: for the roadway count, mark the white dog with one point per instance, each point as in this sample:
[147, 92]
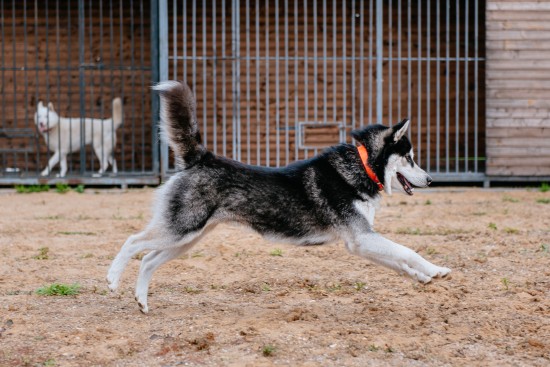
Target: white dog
[62, 136]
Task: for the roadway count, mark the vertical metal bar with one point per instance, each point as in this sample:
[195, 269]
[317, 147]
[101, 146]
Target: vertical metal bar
[277, 113]
[194, 43]
[224, 95]
[174, 38]
[155, 64]
[428, 85]
[101, 82]
[306, 75]
[353, 76]
[57, 54]
[26, 83]
[457, 88]
[371, 33]
[81, 81]
[214, 80]
[296, 48]
[325, 85]
[466, 78]
[163, 71]
[399, 36]
[334, 61]
[184, 23]
[287, 102]
[204, 78]
[379, 60]
[121, 60]
[344, 64]
[236, 80]
[142, 86]
[437, 85]
[362, 65]
[390, 63]
[92, 82]
[447, 76]
[258, 101]
[248, 142]
[409, 65]
[267, 162]
[476, 83]
[315, 69]
[419, 86]
[132, 78]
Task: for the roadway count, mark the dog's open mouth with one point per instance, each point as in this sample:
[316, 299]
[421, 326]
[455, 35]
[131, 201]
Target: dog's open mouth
[407, 186]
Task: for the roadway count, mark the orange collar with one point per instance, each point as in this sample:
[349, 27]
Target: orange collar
[364, 159]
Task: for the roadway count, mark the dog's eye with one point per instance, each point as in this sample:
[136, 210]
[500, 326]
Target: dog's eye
[409, 159]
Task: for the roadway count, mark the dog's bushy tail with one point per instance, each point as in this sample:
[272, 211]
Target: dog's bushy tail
[179, 126]
[117, 112]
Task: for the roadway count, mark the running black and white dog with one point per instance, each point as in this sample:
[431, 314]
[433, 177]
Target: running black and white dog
[329, 197]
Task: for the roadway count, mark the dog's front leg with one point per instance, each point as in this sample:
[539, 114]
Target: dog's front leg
[382, 251]
[54, 159]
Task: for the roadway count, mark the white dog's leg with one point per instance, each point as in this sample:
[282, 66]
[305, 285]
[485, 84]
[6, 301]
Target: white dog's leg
[63, 165]
[112, 161]
[54, 159]
[150, 263]
[382, 251]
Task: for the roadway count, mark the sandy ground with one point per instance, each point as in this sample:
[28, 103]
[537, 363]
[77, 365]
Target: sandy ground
[233, 302]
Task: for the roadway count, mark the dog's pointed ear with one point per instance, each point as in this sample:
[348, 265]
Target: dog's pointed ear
[400, 130]
[40, 104]
[50, 106]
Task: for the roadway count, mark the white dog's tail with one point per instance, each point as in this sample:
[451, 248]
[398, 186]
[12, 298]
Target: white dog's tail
[178, 125]
[117, 112]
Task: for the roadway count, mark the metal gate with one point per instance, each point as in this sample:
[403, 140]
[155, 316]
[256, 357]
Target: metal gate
[278, 80]
[79, 56]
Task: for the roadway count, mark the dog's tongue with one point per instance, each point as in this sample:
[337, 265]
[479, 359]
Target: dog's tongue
[405, 183]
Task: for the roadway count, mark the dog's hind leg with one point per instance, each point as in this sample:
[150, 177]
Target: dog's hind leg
[112, 162]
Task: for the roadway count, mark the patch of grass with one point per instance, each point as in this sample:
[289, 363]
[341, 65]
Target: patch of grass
[428, 202]
[61, 188]
[511, 230]
[544, 187]
[26, 189]
[49, 362]
[57, 289]
[544, 247]
[373, 348]
[509, 199]
[543, 201]
[42, 254]
[268, 350]
[505, 282]
[191, 290]
[80, 189]
[266, 287]
[412, 231]
[71, 233]
[479, 214]
[492, 226]
[138, 256]
[276, 252]
[431, 251]
[388, 349]
[359, 286]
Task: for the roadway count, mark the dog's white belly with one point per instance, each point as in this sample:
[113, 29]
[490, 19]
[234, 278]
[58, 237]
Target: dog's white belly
[310, 239]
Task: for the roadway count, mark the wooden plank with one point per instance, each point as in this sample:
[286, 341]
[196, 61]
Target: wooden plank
[518, 93]
[519, 55]
[521, 170]
[514, 113]
[515, 65]
[495, 74]
[531, 85]
[524, 25]
[510, 122]
[508, 15]
[517, 103]
[518, 6]
[519, 161]
[516, 35]
[518, 142]
[514, 132]
[493, 45]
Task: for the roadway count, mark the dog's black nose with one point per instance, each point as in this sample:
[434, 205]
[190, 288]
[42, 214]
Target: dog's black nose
[429, 180]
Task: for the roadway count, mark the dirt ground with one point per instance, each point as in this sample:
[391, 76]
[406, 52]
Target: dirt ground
[237, 300]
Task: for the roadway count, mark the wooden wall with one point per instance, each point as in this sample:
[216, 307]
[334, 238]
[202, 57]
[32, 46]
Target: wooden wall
[518, 88]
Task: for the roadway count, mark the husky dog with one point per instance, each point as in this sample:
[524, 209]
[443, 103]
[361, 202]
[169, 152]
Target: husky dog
[62, 135]
[329, 197]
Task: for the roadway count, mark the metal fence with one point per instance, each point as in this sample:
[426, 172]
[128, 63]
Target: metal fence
[76, 57]
[277, 80]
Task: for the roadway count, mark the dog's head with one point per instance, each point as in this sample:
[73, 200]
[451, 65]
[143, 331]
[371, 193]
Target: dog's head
[391, 157]
[45, 118]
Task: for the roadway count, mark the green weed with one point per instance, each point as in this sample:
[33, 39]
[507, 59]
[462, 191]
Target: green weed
[510, 230]
[42, 254]
[359, 286]
[61, 188]
[266, 287]
[428, 202]
[509, 199]
[544, 187]
[544, 247]
[373, 348]
[543, 201]
[268, 350]
[505, 282]
[57, 289]
[73, 233]
[26, 189]
[79, 189]
[276, 252]
[492, 226]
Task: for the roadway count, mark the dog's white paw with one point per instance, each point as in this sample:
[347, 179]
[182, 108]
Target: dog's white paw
[441, 272]
[142, 303]
[112, 283]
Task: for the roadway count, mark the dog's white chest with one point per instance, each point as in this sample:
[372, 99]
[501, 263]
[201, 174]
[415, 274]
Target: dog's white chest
[367, 209]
